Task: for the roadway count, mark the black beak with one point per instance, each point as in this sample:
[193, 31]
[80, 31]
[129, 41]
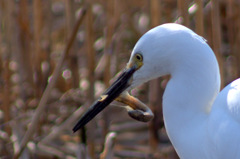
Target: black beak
[121, 84]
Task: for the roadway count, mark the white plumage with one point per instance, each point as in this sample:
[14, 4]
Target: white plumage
[201, 122]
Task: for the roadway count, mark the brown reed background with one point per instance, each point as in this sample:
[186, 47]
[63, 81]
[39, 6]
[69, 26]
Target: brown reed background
[57, 56]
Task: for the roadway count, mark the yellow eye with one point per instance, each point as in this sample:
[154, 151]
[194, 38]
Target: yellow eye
[139, 57]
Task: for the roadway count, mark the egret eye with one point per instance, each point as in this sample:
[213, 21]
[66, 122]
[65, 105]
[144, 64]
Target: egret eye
[139, 57]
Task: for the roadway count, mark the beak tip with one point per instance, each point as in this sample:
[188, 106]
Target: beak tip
[78, 126]
[75, 129]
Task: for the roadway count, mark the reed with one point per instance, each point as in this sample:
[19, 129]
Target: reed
[91, 73]
[154, 91]
[199, 18]
[216, 35]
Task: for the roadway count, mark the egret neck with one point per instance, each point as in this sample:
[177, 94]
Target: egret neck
[188, 99]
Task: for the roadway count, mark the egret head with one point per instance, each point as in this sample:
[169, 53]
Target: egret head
[150, 59]
[166, 49]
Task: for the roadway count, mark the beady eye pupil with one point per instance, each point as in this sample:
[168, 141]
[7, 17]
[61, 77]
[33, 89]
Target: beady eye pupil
[138, 57]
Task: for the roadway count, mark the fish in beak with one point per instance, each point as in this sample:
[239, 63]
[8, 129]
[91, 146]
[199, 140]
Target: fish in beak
[136, 109]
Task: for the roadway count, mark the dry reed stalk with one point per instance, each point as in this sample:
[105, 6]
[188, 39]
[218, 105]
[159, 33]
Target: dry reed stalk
[6, 95]
[183, 11]
[119, 45]
[58, 130]
[230, 21]
[208, 22]
[154, 87]
[109, 146]
[25, 38]
[23, 19]
[7, 42]
[49, 152]
[91, 76]
[199, 18]
[6, 60]
[156, 12]
[155, 104]
[73, 60]
[48, 16]
[37, 56]
[73, 57]
[90, 53]
[233, 67]
[1, 52]
[46, 94]
[111, 23]
[216, 36]
[238, 39]
[236, 46]
[116, 39]
[18, 129]
[168, 11]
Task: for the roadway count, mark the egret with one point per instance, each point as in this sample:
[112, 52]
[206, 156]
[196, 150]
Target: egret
[201, 121]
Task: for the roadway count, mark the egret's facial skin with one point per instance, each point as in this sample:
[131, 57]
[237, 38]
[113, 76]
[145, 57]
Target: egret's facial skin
[137, 62]
[155, 61]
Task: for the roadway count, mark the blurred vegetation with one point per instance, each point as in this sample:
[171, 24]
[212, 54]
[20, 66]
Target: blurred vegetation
[57, 56]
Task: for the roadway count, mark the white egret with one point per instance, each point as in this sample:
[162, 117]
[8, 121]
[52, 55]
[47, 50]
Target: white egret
[200, 122]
